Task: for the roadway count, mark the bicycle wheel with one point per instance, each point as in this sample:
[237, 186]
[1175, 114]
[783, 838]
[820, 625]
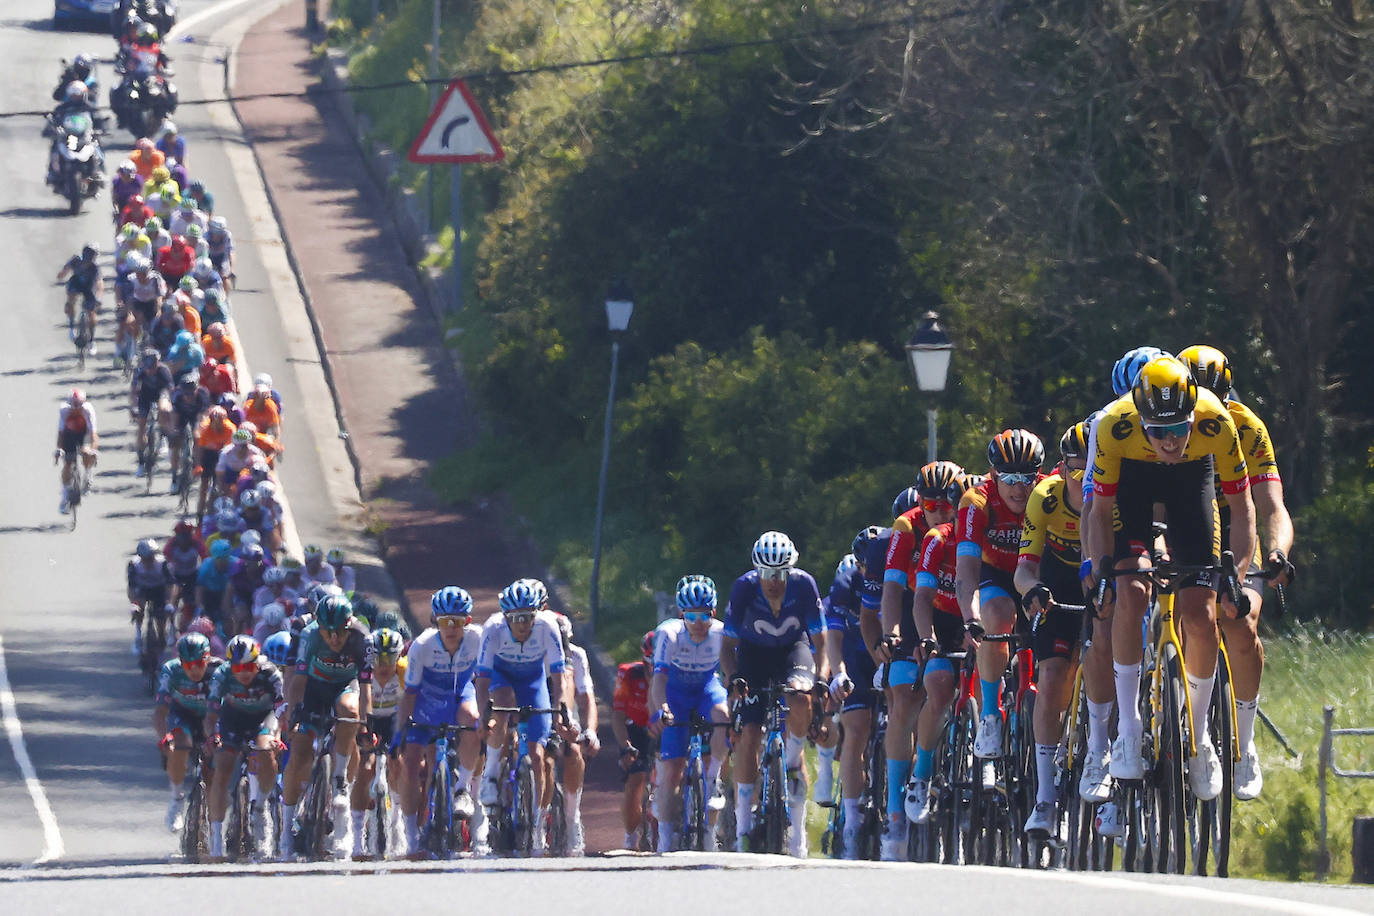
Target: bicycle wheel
[1168, 782]
[966, 813]
[1027, 850]
[185, 471]
[1210, 825]
[195, 830]
[558, 824]
[238, 830]
[379, 818]
[694, 807]
[320, 827]
[152, 446]
[440, 823]
[524, 808]
[775, 819]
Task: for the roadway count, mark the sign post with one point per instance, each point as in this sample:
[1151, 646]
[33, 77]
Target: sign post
[456, 132]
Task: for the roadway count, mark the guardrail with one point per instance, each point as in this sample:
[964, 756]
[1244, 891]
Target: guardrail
[1325, 761]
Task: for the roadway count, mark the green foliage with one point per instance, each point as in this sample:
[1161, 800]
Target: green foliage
[1337, 578]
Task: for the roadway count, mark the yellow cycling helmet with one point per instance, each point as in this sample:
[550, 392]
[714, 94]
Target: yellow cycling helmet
[1209, 367]
[1164, 392]
[1074, 443]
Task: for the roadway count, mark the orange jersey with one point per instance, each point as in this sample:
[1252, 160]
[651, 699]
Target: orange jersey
[262, 412]
[986, 527]
[214, 437]
[146, 164]
[222, 350]
[189, 316]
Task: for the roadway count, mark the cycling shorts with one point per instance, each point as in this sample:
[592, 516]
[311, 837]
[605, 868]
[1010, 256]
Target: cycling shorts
[861, 668]
[181, 721]
[1056, 633]
[384, 727]
[145, 404]
[531, 691]
[237, 728]
[317, 708]
[208, 459]
[681, 704]
[157, 595]
[644, 747]
[949, 634]
[996, 583]
[762, 666]
[145, 310]
[1187, 492]
[70, 442]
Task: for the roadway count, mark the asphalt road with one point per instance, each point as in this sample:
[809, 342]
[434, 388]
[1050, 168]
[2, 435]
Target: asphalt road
[64, 630]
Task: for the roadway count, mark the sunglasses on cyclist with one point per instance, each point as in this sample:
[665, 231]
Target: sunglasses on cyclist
[1018, 480]
[936, 505]
[521, 617]
[697, 616]
[334, 634]
[773, 575]
[1177, 430]
[243, 667]
[451, 620]
[198, 663]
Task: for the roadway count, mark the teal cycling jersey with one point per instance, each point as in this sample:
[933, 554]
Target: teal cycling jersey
[317, 661]
[257, 698]
[175, 687]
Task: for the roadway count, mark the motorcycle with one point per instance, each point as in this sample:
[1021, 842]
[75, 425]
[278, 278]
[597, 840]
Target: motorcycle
[144, 101]
[161, 13]
[75, 159]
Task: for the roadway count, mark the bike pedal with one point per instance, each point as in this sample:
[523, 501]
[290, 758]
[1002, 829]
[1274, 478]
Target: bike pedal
[828, 803]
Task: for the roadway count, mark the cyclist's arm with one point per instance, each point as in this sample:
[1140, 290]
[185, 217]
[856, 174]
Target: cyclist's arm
[923, 609]
[295, 691]
[1271, 512]
[586, 711]
[1100, 532]
[483, 687]
[160, 719]
[622, 734]
[891, 614]
[820, 642]
[407, 708]
[555, 692]
[1242, 527]
[1027, 574]
[658, 690]
[364, 700]
[967, 570]
[728, 662]
[871, 629]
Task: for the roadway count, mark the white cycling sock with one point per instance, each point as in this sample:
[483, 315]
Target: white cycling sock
[851, 812]
[176, 789]
[254, 791]
[341, 764]
[288, 818]
[1200, 698]
[1127, 697]
[412, 828]
[1099, 727]
[744, 808]
[1246, 710]
[358, 825]
[825, 759]
[493, 764]
[713, 773]
[793, 754]
[665, 836]
[1044, 772]
[464, 777]
[572, 806]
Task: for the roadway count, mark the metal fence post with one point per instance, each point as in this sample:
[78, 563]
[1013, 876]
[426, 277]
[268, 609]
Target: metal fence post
[1324, 761]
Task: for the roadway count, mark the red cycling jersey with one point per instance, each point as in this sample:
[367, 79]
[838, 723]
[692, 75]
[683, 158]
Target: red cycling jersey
[989, 527]
[905, 547]
[937, 562]
[632, 693]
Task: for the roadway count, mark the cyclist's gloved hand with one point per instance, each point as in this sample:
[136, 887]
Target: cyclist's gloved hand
[589, 738]
[1038, 596]
[841, 686]
[165, 743]
[1279, 569]
[365, 739]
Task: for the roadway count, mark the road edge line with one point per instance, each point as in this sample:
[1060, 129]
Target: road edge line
[9, 710]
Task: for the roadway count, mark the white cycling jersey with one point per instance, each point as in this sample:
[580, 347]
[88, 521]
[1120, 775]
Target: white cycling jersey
[689, 664]
[386, 698]
[541, 653]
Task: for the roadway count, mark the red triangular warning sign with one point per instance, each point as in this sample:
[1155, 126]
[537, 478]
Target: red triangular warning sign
[456, 131]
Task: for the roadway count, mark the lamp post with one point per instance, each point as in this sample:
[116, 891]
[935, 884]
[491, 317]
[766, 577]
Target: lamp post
[929, 352]
[619, 307]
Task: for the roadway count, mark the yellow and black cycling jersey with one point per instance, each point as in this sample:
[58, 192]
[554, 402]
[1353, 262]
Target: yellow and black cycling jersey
[1121, 437]
[1051, 525]
[1255, 443]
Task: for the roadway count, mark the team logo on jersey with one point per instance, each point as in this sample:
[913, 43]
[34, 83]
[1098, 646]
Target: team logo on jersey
[1050, 503]
[1209, 426]
[1122, 429]
[777, 630]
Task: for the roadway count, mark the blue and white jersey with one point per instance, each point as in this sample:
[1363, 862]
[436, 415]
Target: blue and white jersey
[748, 617]
[540, 654]
[580, 670]
[690, 665]
[437, 678]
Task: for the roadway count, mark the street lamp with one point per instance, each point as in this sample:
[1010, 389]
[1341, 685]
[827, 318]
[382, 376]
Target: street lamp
[619, 306]
[929, 351]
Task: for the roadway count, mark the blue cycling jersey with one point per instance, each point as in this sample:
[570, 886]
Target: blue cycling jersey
[438, 679]
[749, 619]
[689, 665]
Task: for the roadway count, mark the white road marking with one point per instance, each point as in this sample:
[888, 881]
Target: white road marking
[189, 22]
[52, 837]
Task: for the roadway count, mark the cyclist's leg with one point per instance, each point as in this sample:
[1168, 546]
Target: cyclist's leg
[265, 763]
[70, 307]
[672, 762]
[219, 785]
[345, 748]
[418, 758]
[997, 603]
[1131, 550]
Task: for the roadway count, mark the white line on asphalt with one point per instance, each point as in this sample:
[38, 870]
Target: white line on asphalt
[215, 10]
[52, 838]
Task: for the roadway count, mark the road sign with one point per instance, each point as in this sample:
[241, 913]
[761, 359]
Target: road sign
[456, 132]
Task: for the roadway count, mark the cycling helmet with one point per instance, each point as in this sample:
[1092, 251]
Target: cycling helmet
[335, 555]
[77, 397]
[202, 625]
[250, 538]
[144, 145]
[194, 233]
[169, 128]
[1016, 451]
[646, 645]
[1164, 392]
[273, 616]
[189, 284]
[250, 499]
[1074, 443]
[774, 550]
[152, 226]
[147, 548]
[184, 526]
[160, 174]
[89, 251]
[149, 358]
[75, 91]
[1210, 368]
[859, 546]
[277, 647]
[317, 593]
[218, 415]
[274, 575]
[267, 489]
[847, 567]
[147, 32]
[228, 521]
[334, 612]
[963, 485]
[248, 427]
[451, 601]
[905, 501]
[933, 480]
[81, 65]
[388, 644]
[127, 168]
[223, 504]
[242, 436]
[140, 263]
[262, 378]
[313, 551]
[217, 223]
[696, 592]
[523, 594]
[251, 551]
[192, 647]
[204, 265]
[1128, 367]
[243, 648]
[130, 230]
[220, 548]
[389, 620]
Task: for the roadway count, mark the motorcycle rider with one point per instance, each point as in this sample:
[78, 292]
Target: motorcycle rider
[80, 70]
[75, 101]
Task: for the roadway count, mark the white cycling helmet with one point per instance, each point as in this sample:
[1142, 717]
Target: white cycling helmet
[775, 550]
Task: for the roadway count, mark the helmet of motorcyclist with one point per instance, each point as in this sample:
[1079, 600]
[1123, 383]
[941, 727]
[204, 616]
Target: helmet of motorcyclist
[147, 33]
[81, 65]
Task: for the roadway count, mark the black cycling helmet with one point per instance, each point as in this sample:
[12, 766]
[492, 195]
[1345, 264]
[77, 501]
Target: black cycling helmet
[1014, 451]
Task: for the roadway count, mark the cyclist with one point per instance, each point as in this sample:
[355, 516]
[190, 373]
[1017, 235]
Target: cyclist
[1162, 445]
[149, 579]
[188, 402]
[151, 388]
[895, 580]
[175, 259]
[158, 236]
[989, 532]
[75, 421]
[246, 579]
[578, 732]
[629, 724]
[344, 576]
[333, 678]
[183, 698]
[261, 410]
[221, 248]
[1047, 571]
[1211, 370]
[520, 659]
[240, 455]
[82, 275]
[212, 582]
[125, 184]
[772, 609]
[686, 660]
[245, 694]
[219, 345]
[439, 691]
[940, 629]
[185, 550]
[388, 688]
[851, 685]
[147, 289]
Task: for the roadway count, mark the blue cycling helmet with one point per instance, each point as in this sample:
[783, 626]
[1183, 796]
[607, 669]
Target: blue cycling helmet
[1128, 367]
[277, 647]
[847, 567]
[451, 601]
[524, 594]
[696, 592]
[859, 547]
[905, 501]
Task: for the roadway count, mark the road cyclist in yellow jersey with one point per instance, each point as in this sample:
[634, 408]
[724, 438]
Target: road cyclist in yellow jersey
[1212, 371]
[1163, 444]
